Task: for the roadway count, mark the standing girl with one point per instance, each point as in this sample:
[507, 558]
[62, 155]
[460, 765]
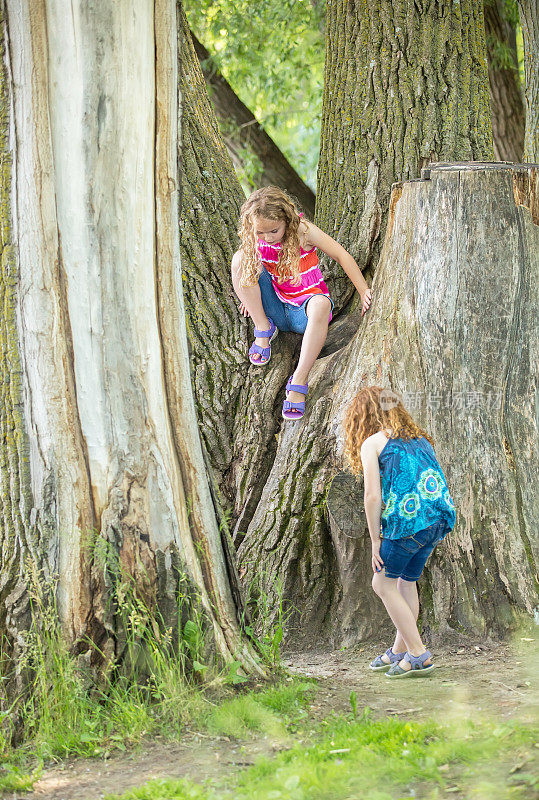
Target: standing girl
[278, 280]
[384, 443]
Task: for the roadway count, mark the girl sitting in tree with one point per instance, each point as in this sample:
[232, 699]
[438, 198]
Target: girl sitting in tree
[277, 278]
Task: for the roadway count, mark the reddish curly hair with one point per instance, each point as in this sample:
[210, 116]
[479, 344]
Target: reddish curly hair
[273, 203]
[373, 409]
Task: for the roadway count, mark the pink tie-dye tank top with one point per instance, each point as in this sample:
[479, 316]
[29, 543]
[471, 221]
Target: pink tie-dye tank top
[312, 280]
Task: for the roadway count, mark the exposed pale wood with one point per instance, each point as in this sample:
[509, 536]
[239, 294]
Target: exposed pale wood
[115, 452]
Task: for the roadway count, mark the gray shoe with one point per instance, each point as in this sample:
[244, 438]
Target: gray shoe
[380, 666]
[417, 667]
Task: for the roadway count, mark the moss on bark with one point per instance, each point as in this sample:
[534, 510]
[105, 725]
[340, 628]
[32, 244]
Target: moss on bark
[16, 540]
[405, 83]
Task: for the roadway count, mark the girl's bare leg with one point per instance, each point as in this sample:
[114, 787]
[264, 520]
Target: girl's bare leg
[401, 614]
[317, 311]
[250, 296]
[408, 589]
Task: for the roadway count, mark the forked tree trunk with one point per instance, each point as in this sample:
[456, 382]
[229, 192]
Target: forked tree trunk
[453, 330]
[294, 509]
[100, 432]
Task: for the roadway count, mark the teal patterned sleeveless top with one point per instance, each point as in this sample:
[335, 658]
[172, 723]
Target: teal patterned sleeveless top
[414, 489]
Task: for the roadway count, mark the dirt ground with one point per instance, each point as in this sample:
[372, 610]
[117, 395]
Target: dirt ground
[480, 679]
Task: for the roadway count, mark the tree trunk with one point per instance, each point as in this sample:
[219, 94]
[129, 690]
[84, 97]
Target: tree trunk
[241, 132]
[453, 330]
[405, 84]
[529, 21]
[508, 118]
[103, 444]
[236, 410]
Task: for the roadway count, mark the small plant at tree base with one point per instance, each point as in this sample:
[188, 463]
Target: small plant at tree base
[269, 627]
[353, 702]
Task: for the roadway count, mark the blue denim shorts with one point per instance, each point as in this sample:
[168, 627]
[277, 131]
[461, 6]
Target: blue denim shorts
[406, 557]
[286, 316]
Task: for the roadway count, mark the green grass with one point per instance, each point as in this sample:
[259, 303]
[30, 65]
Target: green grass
[266, 712]
[163, 685]
[125, 719]
[65, 716]
[14, 779]
[379, 760]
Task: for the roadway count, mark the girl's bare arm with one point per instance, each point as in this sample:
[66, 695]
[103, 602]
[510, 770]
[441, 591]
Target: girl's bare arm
[372, 498]
[315, 237]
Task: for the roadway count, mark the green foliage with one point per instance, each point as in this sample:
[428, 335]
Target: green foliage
[520, 58]
[501, 55]
[270, 629]
[289, 699]
[509, 10]
[272, 54]
[13, 779]
[159, 684]
[70, 709]
[353, 703]
[242, 716]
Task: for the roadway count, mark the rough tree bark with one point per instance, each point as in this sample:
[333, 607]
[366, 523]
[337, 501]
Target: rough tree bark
[405, 83]
[241, 131]
[236, 405]
[508, 117]
[453, 329]
[529, 21]
[100, 436]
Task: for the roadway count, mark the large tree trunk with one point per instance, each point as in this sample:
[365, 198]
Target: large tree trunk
[529, 21]
[508, 118]
[242, 132]
[106, 445]
[405, 84]
[453, 329]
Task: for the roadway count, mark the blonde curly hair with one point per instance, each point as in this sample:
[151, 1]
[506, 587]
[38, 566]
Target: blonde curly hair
[371, 411]
[272, 203]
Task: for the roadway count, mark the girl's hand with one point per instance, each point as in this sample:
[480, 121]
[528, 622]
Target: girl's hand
[377, 562]
[243, 310]
[366, 298]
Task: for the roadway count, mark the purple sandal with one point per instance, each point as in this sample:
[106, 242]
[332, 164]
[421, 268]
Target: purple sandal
[264, 352]
[288, 406]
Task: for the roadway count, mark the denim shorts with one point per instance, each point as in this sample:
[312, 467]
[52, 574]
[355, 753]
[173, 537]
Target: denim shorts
[406, 557]
[286, 316]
